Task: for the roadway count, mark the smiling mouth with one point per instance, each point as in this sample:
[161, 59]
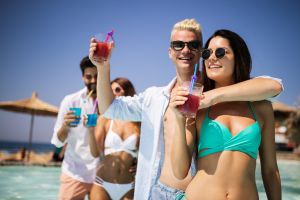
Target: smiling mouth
[214, 67]
[185, 58]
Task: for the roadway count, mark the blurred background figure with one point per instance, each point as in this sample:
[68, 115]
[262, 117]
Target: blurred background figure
[20, 155]
[116, 142]
[59, 153]
[78, 166]
[293, 131]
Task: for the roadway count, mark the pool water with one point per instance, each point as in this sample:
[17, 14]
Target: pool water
[290, 180]
[29, 182]
[36, 183]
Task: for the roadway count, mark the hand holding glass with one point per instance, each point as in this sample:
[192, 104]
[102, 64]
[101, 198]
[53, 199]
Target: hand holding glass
[102, 49]
[77, 113]
[190, 107]
[91, 120]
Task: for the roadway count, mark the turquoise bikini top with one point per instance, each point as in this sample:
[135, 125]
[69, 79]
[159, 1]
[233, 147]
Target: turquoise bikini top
[216, 137]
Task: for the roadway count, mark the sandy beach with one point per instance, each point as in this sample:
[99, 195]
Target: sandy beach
[43, 159]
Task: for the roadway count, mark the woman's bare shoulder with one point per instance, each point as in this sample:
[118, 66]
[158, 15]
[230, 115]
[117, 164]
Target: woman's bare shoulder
[263, 105]
[263, 109]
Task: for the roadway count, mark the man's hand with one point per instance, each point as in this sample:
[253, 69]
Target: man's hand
[90, 128]
[177, 98]
[68, 118]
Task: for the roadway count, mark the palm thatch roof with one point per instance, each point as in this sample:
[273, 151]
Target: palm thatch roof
[281, 107]
[282, 111]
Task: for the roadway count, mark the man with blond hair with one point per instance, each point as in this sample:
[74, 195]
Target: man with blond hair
[154, 177]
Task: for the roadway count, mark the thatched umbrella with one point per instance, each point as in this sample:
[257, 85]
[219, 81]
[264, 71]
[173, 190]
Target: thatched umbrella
[33, 106]
[282, 111]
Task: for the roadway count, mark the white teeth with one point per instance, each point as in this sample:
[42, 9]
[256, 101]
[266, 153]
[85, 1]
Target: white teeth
[185, 58]
[214, 67]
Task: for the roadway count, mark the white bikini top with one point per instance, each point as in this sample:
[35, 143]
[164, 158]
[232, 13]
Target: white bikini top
[114, 143]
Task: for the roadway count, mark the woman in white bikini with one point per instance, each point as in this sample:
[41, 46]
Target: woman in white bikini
[116, 142]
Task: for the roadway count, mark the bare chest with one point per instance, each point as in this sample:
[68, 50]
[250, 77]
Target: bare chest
[168, 122]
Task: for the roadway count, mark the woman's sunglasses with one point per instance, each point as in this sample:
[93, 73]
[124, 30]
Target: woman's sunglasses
[117, 89]
[219, 53]
[192, 45]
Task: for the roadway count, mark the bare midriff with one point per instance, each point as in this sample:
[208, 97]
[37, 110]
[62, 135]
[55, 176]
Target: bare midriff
[114, 168]
[231, 178]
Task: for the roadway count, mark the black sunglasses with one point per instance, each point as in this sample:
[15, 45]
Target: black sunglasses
[192, 45]
[117, 89]
[219, 53]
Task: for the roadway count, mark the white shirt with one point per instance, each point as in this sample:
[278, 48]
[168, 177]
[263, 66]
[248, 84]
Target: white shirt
[148, 108]
[78, 162]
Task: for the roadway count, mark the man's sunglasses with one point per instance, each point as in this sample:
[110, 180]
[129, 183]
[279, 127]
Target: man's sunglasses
[192, 45]
[219, 53]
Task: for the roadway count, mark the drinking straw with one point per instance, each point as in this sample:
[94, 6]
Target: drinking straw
[109, 34]
[194, 79]
[90, 93]
[87, 97]
[95, 106]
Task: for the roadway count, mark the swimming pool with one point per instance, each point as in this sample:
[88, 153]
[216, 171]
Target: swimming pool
[290, 180]
[35, 183]
[29, 182]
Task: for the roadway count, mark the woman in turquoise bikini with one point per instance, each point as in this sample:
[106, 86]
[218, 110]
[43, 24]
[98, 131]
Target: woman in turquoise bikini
[228, 135]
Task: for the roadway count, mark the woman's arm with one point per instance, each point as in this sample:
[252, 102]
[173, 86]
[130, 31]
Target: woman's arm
[104, 91]
[255, 89]
[97, 137]
[269, 168]
[184, 136]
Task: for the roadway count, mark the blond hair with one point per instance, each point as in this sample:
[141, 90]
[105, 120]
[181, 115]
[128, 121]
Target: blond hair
[188, 25]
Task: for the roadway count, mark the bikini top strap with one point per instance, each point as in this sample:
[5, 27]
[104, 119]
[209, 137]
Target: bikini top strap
[252, 110]
[207, 112]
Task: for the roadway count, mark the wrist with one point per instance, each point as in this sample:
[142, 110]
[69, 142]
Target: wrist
[180, 117]
[103, 65]
[65, 127]
[219, 96]
[91, 129]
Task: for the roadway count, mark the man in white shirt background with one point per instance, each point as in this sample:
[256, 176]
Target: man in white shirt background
[78, 166]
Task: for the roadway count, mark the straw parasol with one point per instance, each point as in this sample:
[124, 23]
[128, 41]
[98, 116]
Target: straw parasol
[278, 106]
[33, 106]
[282, 111]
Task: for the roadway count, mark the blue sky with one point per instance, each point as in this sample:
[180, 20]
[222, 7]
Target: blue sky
[42, 43]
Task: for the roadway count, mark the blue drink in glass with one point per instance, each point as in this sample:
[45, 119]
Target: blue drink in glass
[77, 113]
[91, 120]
